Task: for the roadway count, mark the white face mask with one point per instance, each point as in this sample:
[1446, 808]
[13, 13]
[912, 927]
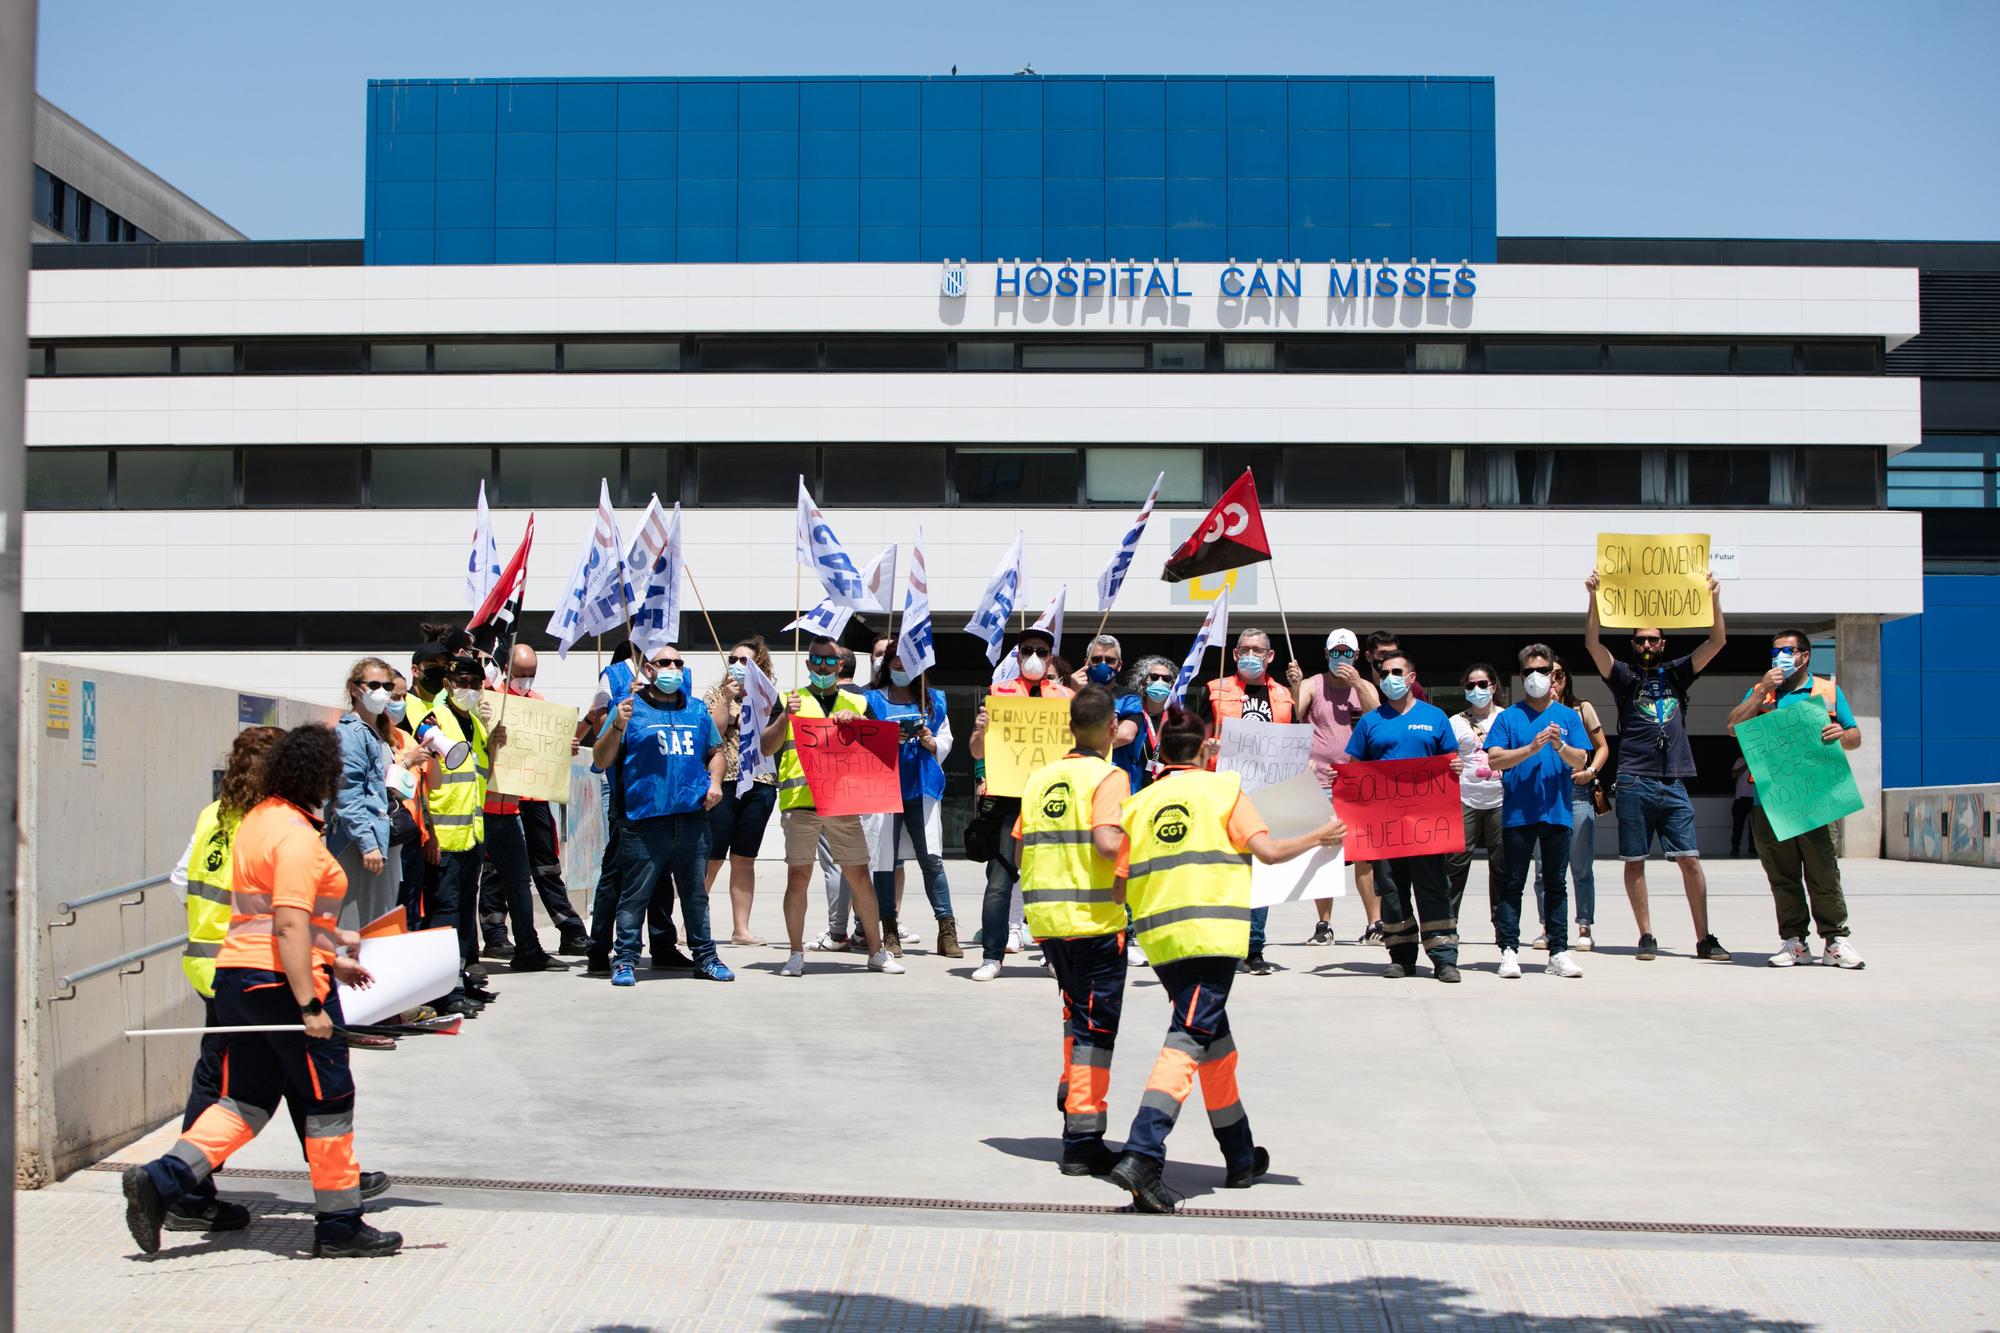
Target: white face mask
[1034, 666]
[523, 683]
[466, 698]
[1536, 683]
[374, 700]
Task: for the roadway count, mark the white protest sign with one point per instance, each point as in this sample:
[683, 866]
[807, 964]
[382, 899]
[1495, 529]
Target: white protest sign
[1265, 753]
[1320, 873]
[408, 970]
[1296, 805]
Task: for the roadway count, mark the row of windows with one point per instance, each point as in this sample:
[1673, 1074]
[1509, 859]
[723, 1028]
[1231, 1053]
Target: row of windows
[1947, 472]
[763, 475]
[1358, 355]
[63, 208]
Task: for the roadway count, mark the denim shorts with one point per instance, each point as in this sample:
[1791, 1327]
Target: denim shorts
[1651, 808]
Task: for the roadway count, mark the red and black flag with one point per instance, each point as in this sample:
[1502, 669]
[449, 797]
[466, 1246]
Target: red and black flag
[1231, 535]
[493, 622]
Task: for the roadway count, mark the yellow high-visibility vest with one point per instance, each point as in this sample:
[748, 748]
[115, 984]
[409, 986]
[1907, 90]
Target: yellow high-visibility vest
[210, 879]
[793, 793]
[1187, 885]
[458, 795]
[1066, 885]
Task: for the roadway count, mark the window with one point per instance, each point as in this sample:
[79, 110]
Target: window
[885, 475]
[557, 475]
[1127, 475]
[1516, 358]
[425, 478]
[652, 470]
[1719, 478]
[1180, 356]
[1947, 472]
[1440, 356]
[1669, 358]
[1351, 354]
[1763, 358]
[329, 358]
[909, 354]
[1083, 356]
[305, 478]
[398, 357]
[1594, 477]
[207, 358]
[647, 356]
[1263, 462]
[67, 478]
[1017, 476]
[985, 356]
[1843, 478]
[495, 356]
[753, 474]
[759, 354]
[38, 361]
[1344, 476]
[1249, 356]
[93, 359]
[1839, 358]
[176, 478]
[1437, 476]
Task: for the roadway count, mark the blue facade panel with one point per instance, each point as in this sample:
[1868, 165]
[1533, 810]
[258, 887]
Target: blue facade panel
[910, 170]
[1932, 664]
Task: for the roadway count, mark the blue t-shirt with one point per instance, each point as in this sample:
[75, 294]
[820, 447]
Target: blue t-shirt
[663, 762]
[1841, 713]
[1136, 754]
[918, 767]
[1384, 733]
[1538, 789]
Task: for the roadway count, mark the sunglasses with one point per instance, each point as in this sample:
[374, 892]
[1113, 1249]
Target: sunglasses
[660, 662]
[823, 661]
[1649, 638]
[1164, 680]
[1395, 671]
[1104, 661]
[1473, 684]
[1559, 674]
[742, 661]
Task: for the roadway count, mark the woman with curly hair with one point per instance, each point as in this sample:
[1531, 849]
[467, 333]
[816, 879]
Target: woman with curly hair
[276, 970]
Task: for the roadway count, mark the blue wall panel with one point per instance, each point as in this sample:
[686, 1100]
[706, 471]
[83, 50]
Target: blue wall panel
[919, 169]
[1932, 665]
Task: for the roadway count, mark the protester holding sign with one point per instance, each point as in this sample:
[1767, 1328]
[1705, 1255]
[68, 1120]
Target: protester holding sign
[664, 756]
[737, 823]
[1655, 761]
[1332, 702]
[507, 879]
[1478, 787]
[803, 823]
[1804, 869]
[1406, 728]
[538, 825]
[1535, 746]
[918, 832]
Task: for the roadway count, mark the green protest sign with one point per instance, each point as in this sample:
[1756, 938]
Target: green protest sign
[1802, 781]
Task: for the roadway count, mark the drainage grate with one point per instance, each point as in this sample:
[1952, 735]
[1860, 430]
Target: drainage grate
[1084, 1209]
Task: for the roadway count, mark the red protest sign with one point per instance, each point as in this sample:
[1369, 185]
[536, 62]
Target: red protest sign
[850, 764]
[1398, 807]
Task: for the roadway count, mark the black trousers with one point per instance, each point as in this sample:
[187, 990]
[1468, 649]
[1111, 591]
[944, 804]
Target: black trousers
[538, 825]
[1419, 882]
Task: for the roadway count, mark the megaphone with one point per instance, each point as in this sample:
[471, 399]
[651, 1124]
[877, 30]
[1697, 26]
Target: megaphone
[432, 738]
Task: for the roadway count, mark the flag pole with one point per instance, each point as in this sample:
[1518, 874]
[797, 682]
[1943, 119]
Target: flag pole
[696, 589]
[797, 611]
[1291, 653]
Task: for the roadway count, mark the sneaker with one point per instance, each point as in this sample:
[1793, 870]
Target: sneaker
[713, 970]
[206, 1213]
[621, 975]
[363, 1242]
[374, 1183]
[1322, 933]
[884, 961]
[1014, 944]
[1447, 973]
[1260, 1162]
[1510, 964]
[1648, 948]
[673, 960]
[908, 936]
[1540, 942]
[1710, 949]
[1372, 935]
[1562, 965]
[1792, 953]
[1258, 966]
[423, 1013]
[1140, 1177]
[1839, 953]
[145, 1213]
[574, 946]
[892, 940]
[597, 964]
[828, 942]
[1583, 944]
[795, 966]
[1093, 1159]
[1135, 956]
[947, 945]
[1395, 972]
[987, 970]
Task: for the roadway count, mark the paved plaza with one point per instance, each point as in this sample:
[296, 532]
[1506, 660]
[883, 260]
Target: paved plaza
[1752, 1144]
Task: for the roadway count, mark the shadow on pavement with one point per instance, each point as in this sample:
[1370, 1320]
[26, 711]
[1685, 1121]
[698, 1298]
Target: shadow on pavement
[1187, 1179]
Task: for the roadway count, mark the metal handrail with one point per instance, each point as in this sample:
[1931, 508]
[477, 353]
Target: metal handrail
[137, 955]
[136, 886]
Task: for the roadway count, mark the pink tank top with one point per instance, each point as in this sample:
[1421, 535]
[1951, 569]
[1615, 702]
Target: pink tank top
[1332, 714]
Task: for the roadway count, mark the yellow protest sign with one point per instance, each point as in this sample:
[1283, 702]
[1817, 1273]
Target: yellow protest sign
[535, 760]
[1653, 578]
[1023, 735]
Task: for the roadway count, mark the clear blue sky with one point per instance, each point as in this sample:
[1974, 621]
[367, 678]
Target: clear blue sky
[1832, 119]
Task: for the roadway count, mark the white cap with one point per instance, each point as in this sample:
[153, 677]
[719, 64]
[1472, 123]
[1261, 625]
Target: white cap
[1343, 638]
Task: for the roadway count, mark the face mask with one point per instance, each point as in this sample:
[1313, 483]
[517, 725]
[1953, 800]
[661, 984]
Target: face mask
[899, 676]
[466, 698]
[402, 781]
[523, 683]
[1158, 691]
[1250, 668]
[737, 671]
[667, 680]
[373, 701]
[432, 681]
[1785, 660]
[822, 682]
[874, 668]
[1034, 666]
[1101, 673]
[1395, 687]
[398, 707]
[1537, 684]
[1479, 696]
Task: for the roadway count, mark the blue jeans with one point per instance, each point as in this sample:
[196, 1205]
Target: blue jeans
[673, 848]
[1649, 808]
[1259, 916]
[1520, 842]
[1582, 865]
[936, 887]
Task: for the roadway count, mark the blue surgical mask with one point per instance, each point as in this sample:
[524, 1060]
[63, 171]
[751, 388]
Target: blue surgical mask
[1395, 687]
[737, 671]
[1479, 697]
[1100, 673]
[822, 682]
[1250, 667]
[398, 707]
[668, 680]
[1785, 660]
[900, 677]
[1159, 691]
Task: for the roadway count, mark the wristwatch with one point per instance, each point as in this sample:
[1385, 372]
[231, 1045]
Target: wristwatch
[312, 1008]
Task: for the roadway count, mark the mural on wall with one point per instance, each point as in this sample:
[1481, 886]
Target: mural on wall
[1949, 827]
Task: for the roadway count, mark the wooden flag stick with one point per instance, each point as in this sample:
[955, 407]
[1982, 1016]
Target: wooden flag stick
[695, 588]
[797, 611]
[1291, 653]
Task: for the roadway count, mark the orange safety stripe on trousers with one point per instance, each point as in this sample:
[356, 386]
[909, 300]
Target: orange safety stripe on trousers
[1218, 1082]
[332, 1164]
[1089, 1090]
[1173, 1074]
[312, 1072]
[218, 1131]
[225, 1073]
[1194, 997]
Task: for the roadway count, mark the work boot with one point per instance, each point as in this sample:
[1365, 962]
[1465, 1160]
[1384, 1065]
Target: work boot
[501, 948]
[948, 938]
[575, 944]
[597, 963]
[1260, 1162]
[673, 960]
[892, 939]
[1088, 1159]
[145, 1211]
[536, 962]
[196, 1212]
[359, 1242]
[373, 1183]
[1140, 1177]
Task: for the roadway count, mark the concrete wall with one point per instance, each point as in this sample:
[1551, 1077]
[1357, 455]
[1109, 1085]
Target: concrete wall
[1954, 825]
[91, 821]
[71, 150]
